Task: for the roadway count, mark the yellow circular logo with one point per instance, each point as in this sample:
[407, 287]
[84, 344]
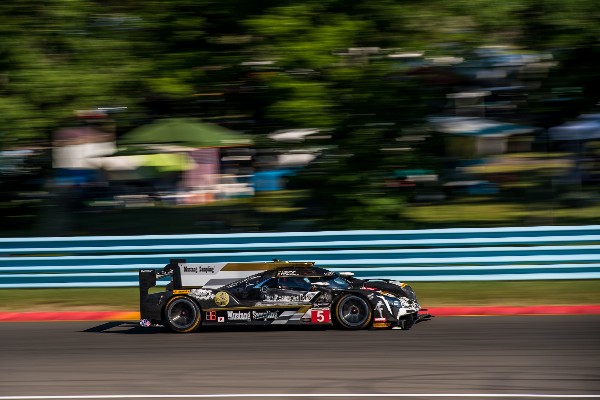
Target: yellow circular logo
[222, 299]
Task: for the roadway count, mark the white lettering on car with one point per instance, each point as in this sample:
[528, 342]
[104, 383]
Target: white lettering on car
[238, 315]
[202, 294]
[265, 315]
[276, 298]
[287, 273]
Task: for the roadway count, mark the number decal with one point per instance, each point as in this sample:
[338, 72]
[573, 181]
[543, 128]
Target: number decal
[211, 316]
[320, 316]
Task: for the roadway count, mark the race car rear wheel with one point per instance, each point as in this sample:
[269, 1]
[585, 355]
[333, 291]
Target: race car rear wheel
[182, 314]
[353, 312]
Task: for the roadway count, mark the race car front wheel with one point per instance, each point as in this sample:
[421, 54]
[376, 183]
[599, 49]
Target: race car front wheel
[182, 314]
[353, 312]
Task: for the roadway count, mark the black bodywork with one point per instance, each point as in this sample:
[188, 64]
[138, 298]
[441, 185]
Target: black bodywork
[294, 293]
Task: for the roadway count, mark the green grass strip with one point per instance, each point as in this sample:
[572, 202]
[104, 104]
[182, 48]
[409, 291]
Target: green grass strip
[126, 299]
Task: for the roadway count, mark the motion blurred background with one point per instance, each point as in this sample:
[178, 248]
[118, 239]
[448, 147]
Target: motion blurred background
[203, 116]
[167, 117]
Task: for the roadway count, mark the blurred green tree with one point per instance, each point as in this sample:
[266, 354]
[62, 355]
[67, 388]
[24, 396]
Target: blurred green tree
[275, 64]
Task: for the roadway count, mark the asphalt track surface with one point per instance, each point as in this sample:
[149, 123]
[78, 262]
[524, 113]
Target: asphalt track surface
[547, 355]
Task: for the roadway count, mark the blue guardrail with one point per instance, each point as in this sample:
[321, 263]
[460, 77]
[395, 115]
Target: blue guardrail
[478, 254]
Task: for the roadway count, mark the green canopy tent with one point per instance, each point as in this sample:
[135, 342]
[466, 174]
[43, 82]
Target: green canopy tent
[184, 132]
[129, 167]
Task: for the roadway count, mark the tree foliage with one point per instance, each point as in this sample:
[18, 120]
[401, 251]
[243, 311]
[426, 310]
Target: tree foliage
[57, 56]
[278, 64]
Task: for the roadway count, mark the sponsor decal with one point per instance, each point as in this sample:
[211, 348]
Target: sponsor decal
[381, 325]
[406, 303]
[380, 319]
[145, 323]
[320, 316]
[238, 315]
[275, 298]
[198, 269]
[181, 291]
[265, 315]
[220, 319]
[222, 299]
[202, 294]
[287, 273]
[379, 308]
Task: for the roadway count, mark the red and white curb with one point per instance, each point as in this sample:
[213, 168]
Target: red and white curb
[69, 316]
[589, 309]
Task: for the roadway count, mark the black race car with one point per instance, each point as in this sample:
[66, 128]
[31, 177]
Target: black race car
[273, 293]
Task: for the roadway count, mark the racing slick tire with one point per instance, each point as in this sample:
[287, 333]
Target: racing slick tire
[182, 314]
[353, 312]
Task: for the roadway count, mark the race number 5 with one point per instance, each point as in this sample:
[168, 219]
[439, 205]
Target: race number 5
[320, 316]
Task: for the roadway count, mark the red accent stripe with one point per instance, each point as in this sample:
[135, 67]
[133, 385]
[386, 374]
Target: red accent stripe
[69, 316]
[516, 310]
